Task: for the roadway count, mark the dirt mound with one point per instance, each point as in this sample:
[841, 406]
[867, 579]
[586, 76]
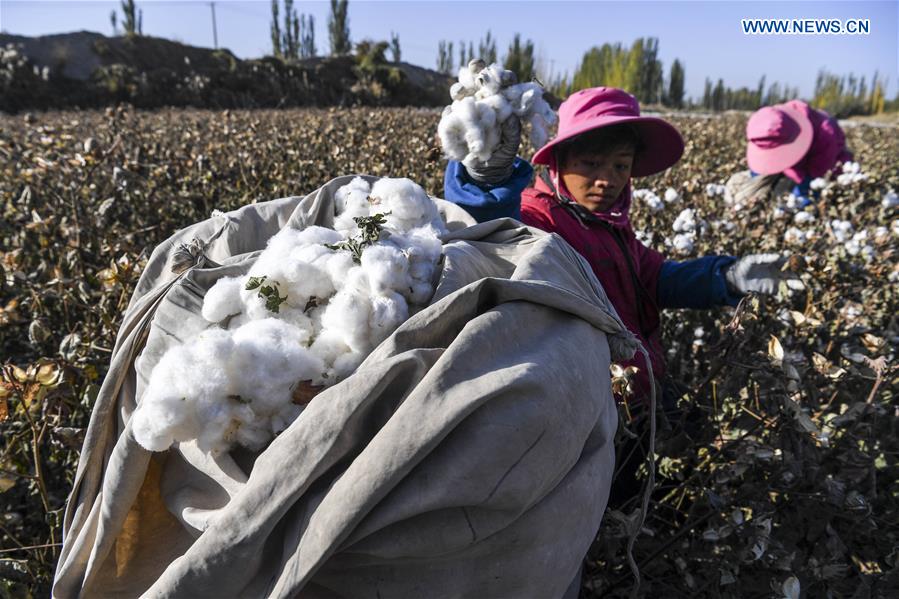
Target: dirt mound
[86, 69]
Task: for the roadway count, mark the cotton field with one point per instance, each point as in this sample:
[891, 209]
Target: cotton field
[783, 479]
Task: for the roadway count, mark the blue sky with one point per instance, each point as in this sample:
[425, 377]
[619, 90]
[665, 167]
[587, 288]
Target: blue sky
[704, 35]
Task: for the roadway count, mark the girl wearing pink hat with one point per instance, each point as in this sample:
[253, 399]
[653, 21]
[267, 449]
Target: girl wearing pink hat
[584, 195]
[788, 145]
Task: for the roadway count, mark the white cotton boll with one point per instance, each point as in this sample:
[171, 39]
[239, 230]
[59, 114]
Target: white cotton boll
[347, 316]
[271, 356]
[408, 205]
[803, 218]
[387, 268]
[346, 364]
[654, 203]
[458, 91]
[779, 213]
[155, 424]
[795, 236]
[223, 299]
[451, 130]
[489, 81]
[467, 78]
[352, 195]
[328, 345]
[500, 106]
[338, 266]
[420, 292]
[539, 133]
[851, 168]
[643, 237]
[387, 313]
[818, 183]
[685, 221]
[671, 195]
[254, 434]
[890, 200]
[683, 243]
[318, 236]
[842, 229]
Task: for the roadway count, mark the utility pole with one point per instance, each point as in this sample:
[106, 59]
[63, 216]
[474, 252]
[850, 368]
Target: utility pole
[215, 35]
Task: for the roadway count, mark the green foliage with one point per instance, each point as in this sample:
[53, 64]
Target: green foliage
[675, 96]
[339, 28]
[719, 97]
[847, 95]
[395, 51]
[370, 55]
[487, 48]
[636, 70]
[297, 40]
[132, 18]
[520, 59]
[445, 57]
[369, 233]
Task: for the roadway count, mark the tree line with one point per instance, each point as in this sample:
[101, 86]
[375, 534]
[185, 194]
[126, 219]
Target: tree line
[636, 68]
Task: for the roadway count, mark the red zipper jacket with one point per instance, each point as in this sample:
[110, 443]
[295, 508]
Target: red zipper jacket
[627, 269]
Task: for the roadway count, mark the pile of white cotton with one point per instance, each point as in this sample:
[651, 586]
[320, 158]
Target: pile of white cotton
[852, 173]
[483, 98]
[315, 303]
[688, 226]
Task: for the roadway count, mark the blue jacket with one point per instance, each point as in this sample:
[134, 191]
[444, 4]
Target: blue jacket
[698, 283]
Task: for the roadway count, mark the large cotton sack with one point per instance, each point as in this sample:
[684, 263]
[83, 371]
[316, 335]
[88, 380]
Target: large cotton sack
[469, 456]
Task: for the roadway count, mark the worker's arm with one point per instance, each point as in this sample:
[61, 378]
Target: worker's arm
[697, 284]
[485, 201]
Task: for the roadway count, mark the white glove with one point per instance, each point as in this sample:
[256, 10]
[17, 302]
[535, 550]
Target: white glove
[761, 273]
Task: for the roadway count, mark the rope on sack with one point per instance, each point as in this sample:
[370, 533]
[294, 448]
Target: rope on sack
[651, 479]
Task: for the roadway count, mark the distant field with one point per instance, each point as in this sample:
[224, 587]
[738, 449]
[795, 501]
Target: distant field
[793, 469]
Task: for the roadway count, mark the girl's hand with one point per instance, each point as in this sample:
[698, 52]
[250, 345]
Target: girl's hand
[761, 273]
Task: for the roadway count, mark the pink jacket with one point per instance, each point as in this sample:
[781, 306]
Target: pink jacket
[827, 149]
[627, 269]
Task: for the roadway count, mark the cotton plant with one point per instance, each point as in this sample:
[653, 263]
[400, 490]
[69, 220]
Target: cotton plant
[797, 237]
[890, 200]
[715, 189]
[648, 197]
[483, 98]
[852, 173]
[688, 226]
[310, 309]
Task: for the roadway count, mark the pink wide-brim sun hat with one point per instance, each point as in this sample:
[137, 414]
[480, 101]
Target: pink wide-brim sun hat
[597, 107]
[778, 138]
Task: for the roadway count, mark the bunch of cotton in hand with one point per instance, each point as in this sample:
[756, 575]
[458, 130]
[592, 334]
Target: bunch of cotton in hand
[851, 174]
[652, 201]
[484, 97]
[310, 309]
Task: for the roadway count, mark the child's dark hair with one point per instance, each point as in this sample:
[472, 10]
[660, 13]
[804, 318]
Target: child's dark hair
[606, 138]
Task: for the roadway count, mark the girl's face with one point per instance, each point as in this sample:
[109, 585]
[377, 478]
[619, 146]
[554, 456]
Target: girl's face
[596, 178]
